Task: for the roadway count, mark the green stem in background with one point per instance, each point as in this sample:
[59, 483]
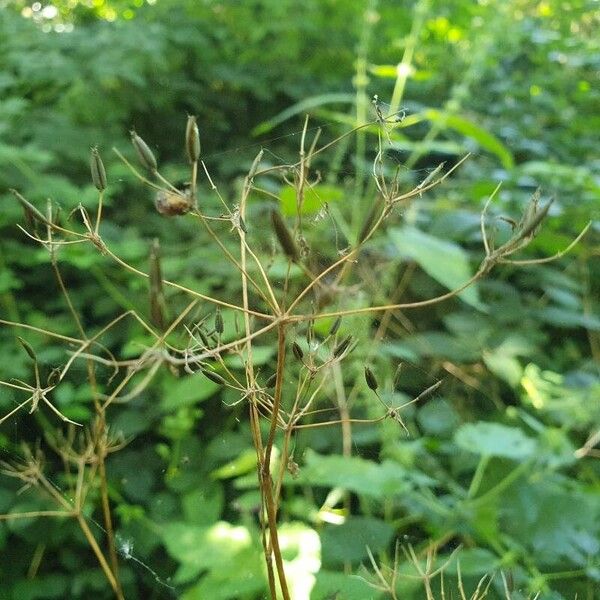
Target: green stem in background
[472, 73]
[361, 80]
[405, 65]
[478, 476]
[501, 485]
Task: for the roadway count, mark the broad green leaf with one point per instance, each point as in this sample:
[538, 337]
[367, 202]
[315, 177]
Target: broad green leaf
[445, 261]
[243, 464]
[260, 356]
[216, 547]
[204, 504]
[348, 542]
[438, 418]
[493, 439]
[335, 585]
[484, 138]
[504, 365]
[186, 391]
[436, 344]
[379, 480]
[314, 198]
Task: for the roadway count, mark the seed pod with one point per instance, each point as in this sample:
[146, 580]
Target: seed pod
[157, 298]
[31, 209]
[342, 346]
[270, 383]
[255, 163]
[219, 325]
[192, 140]
[284, 236]
[530, 227]
[27, 347]
[144, 153]
[98, 171]
[370, 379]
[298, 352]
[215, 377]
[242, 224]
[335, 326]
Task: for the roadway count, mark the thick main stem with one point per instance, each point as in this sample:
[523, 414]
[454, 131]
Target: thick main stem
[265, 474]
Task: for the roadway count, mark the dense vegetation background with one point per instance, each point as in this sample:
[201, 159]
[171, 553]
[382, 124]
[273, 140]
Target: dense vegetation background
[492, 461]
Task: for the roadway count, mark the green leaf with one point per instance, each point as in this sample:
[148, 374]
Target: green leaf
[484, 138]
[504, 365]
[348, 542]
[565, 318]
[314, 198]
[186, 391]
[334, 585]
[445, 261]
[379, 480]
[302, 107]
[216, 547]
[493, 439]
[243, 464]
[203, 506]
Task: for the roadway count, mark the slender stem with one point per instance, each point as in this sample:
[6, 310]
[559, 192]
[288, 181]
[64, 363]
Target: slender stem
[94, 545]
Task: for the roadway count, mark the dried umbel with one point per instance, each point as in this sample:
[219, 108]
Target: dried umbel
[192, 140]
[173, 203]
[144, 153]
[97, 170]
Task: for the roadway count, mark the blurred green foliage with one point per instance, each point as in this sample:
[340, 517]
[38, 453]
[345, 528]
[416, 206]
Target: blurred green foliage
[491, 462]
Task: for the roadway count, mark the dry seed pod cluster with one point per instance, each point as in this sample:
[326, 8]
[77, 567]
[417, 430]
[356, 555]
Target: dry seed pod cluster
[173, 203]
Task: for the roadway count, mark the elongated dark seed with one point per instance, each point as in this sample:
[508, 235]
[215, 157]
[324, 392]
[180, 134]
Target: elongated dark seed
[219, 325]
[157, 299]
[284, 236]
[370, 379]
[27, 347]
[271, 381]
[335, 326]
[192, 139]
[298, 352]
[98, 171]
[144, 153]
[342, 346]
[243, 225]
[215, 377]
